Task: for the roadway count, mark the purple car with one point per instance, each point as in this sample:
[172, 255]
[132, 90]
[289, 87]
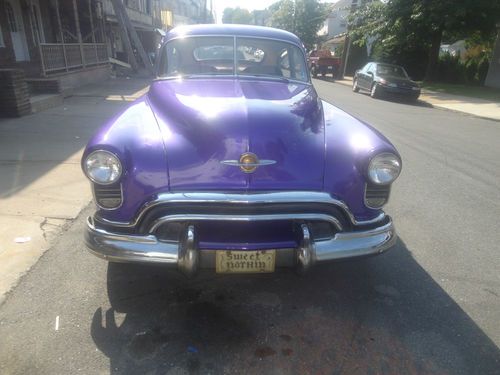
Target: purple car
[232, 162]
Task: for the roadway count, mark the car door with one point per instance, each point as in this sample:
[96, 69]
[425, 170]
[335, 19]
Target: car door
[370, 76]
[363, 76]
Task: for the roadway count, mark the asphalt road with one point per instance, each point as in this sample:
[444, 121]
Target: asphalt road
[430, 306]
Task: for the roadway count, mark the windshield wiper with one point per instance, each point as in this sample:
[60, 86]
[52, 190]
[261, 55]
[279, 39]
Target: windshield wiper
[277, 78]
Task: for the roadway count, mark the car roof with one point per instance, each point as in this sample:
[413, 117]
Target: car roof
[387, 64]
[233, 30]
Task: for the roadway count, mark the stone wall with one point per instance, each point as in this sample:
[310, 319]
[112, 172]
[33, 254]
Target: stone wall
[14, 93]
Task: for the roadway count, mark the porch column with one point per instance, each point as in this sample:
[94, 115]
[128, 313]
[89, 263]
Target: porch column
[35, 32]
[59, 25]
[78, 32]
[92, 29]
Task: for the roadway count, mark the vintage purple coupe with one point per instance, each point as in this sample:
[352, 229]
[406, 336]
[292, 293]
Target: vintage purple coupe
[231, 161]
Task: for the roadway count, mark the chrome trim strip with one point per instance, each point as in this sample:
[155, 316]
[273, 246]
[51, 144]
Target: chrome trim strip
[131, 248]
[236, 163]
[252, 198]
[249, 218]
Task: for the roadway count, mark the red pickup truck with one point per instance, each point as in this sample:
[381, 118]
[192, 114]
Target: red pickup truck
[322, 62]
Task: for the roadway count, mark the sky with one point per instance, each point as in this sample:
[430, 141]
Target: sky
[220, 5]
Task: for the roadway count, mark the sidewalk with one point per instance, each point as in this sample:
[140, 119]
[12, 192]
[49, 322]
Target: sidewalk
[42, 188]
[472, 106]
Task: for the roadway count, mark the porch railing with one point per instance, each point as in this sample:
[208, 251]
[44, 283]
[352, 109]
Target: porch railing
[57, 57]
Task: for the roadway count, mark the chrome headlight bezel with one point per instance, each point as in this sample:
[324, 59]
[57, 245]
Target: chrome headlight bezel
[387, 161]
[114, 163]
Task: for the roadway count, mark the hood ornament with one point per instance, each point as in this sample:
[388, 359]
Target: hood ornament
[248, 162]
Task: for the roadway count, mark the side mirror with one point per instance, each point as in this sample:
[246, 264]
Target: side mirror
[370, 73]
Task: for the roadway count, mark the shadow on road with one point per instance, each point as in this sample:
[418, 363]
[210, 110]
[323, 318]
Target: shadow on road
[381, 315]
[403, 101]
[325, 78]
[33, 145]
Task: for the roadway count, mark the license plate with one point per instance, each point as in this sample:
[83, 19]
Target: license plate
[261, 261]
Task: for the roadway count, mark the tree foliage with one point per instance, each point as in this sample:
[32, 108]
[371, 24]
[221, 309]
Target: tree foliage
[301, 17]
[411, 31]
[237, 15]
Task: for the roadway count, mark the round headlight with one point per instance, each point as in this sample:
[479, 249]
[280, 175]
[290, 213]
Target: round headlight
[384, 169]
[102, 167]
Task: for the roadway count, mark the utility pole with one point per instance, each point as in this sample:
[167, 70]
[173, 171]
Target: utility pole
[347, 45]
[345, 55]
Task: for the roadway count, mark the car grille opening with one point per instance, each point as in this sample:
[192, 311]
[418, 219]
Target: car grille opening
[108, 196]
[245, 233]
[377, 195]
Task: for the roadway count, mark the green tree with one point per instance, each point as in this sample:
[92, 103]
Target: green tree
[301, 17]
[418, 27]
[237, 15]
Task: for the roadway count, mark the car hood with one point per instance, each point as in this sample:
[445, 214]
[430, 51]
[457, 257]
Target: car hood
[205, 122]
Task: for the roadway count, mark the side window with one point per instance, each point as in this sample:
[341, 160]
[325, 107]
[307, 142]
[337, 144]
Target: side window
[291, 65]
[172, 61]
[2, 44]
[285, 64]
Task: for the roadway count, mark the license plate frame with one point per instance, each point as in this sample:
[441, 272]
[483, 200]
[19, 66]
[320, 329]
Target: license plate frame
[245, 261]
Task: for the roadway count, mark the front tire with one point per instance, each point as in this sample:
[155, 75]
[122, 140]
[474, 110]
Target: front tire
[355, 86]
[374, 92]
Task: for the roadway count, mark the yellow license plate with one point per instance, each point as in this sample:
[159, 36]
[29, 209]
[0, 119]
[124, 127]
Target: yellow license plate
[261, 261]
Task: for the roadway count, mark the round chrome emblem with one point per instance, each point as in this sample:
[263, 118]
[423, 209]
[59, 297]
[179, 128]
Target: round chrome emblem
[249, 162]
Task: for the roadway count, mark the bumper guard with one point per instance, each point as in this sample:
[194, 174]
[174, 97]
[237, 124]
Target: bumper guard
[185, 256]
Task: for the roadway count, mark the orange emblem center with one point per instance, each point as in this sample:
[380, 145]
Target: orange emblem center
[249, 162]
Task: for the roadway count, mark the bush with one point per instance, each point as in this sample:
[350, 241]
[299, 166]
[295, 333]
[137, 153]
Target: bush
[451, 70]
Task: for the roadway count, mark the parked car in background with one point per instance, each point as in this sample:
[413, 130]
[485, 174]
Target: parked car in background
[381, 79]
[232, 162]
[323, 62]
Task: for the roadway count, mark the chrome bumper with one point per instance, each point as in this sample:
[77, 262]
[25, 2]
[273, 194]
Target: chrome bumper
[184, 255]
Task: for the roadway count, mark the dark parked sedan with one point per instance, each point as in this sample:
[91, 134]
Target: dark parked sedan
[385, 79]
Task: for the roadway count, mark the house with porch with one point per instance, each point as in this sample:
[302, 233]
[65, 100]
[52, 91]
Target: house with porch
[47, 38]
[53, 46]
[57, 45]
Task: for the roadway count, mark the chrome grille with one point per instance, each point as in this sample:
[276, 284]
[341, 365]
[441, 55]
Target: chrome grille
[108, 196]
[377, 195]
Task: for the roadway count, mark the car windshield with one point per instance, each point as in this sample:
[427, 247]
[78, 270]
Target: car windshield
[206, 55]
[391, 70]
